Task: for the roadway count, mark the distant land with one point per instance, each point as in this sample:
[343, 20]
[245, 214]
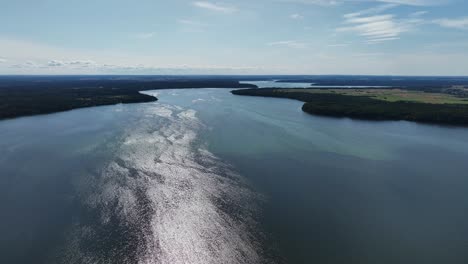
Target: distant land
[433, 83]
[441, 100]
[34, 95]
[375, 104]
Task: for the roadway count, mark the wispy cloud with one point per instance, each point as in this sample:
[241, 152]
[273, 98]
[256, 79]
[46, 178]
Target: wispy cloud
[338, 45]
[338, 2]
[313, 2]
[378, 28]
[87, 66]
[369, 11]
[189, 22]
[72, 63]
[367, 54]
[27, 65]
[288, 43]
[416, 2]
[296, 16]
[2, 60]
[55, 63]
[144, 35]
[375, 29]
[193, 26]
[418, 14]
[30, 63]
[457, 23]
[217, 7]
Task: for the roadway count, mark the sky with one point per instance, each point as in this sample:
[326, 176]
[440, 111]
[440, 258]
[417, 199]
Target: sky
[375, 37]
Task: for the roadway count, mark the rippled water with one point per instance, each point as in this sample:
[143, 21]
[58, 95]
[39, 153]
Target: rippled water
[202, 176]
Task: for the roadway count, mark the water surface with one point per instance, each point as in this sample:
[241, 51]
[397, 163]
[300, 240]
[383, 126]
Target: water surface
[203, 176]
[276, 84]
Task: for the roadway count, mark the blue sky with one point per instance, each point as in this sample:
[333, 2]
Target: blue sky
[391, 37]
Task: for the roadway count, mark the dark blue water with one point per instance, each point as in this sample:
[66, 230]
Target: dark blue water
[203, 176]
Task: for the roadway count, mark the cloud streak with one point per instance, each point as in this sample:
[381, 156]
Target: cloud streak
[373, 10]
[145, 35]
[192, 25]
[339, 2]
[457, 23]
[375, 29]
[296, 16]
[73, 63]
[189, 22]
[416, 2]
[378, 28]
[289, 43]
[313, 2]
[216, 7]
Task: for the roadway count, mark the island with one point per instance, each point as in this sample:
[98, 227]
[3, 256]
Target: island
[374, 104]
[34, 95]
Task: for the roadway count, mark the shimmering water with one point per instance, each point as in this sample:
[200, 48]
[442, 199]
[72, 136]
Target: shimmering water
[202, 176]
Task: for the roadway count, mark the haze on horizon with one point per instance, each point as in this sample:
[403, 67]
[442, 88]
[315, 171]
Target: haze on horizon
[388, 37]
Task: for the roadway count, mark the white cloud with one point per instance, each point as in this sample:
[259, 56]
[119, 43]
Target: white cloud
[313, 2]
[418, 14]
[338, 45]
[145, 35]
[85, 66]
[32, 64]
[189, 22]
[367, 55]
[457, 23]
[82, 62]
[369, 19]
[192, 25]
[381, 39]
[416, 2]
[72, 63]
[373, 10]
[296, 16]
[217, 7]
[374, 28]
[55, 63]
[398, 2]
[289, 44]
[378, 28]
[36, 58]
[2, 60]
[27, 65]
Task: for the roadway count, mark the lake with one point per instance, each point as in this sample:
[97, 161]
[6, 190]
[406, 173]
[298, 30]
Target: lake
[203, 176]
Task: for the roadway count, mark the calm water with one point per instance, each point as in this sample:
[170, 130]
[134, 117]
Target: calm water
[266, 84]
[203, 176]
[269, 84]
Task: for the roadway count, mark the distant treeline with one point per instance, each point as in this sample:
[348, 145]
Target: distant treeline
[362, 107]
[140, 84]
[428, 83]
[22, 96]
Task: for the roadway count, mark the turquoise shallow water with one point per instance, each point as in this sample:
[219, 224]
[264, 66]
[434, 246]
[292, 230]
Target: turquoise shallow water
[202, 176]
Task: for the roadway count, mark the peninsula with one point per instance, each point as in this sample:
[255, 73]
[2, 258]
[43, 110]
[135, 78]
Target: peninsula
[375, 104]
[24, 96]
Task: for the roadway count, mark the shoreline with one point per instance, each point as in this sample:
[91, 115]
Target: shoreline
[32, 97]
[366, 107]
